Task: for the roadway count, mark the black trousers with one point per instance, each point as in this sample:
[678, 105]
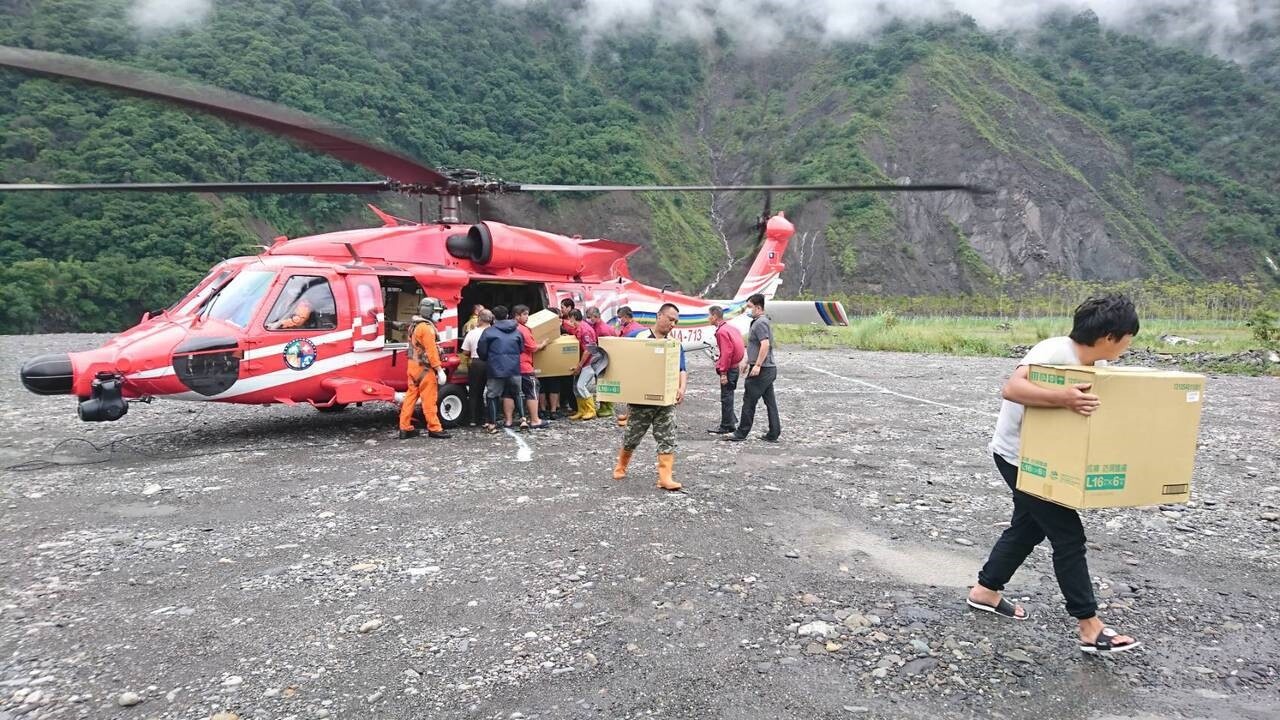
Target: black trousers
[1033, 521]
[728, 419]
[476, 414]
[757, 388]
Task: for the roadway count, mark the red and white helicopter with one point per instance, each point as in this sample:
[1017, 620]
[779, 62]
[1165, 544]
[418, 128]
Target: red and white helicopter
[238, 335]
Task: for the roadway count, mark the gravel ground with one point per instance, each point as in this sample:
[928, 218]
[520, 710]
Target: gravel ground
[200, 560]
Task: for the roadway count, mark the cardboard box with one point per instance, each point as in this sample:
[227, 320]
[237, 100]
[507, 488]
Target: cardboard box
[545, 325]
[406, 305]
[558, 359]
[402, 306]
[641, 371]
[1138, 448]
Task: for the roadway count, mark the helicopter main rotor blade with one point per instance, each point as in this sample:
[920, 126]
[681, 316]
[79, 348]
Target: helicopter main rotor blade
[931, 187]
[328, 137]
[313, 188]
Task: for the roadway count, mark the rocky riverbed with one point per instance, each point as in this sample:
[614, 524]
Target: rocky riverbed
[216, 561]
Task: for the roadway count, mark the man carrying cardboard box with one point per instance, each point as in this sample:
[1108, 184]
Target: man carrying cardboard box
[662, 418]
[1101, 330]
[528, 381]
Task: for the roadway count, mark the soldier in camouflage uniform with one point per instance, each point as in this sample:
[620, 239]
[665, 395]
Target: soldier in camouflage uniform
[662, 418]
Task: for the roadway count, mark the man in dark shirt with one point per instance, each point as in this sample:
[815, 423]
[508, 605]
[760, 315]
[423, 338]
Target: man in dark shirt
[760, 375]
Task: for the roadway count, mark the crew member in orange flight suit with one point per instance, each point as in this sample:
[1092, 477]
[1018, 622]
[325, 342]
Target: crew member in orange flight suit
[426, 374]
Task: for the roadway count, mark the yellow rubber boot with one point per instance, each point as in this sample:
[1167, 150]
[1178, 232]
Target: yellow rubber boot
[589, 412]
[604, 409]
[666, 466]
[624, 458]
[581, 409]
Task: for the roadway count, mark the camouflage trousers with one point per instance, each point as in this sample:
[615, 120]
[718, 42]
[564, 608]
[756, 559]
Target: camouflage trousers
[663, 421]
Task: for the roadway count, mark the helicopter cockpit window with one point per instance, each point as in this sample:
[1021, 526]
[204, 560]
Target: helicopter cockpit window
[236, 301]
[305, 303]
[193, 301]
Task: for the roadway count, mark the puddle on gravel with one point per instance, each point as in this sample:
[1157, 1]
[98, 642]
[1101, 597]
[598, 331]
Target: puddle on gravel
[141, 510]
[828, 535]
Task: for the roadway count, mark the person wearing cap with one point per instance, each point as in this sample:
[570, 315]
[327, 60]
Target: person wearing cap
[426, 373]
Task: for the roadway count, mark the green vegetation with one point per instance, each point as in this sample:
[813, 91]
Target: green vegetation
[1054, 295]
[995, 337]
[469, 83]
[511, 89]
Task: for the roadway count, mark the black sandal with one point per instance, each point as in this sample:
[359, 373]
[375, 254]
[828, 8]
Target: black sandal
[1004, 608]
[1103, 645]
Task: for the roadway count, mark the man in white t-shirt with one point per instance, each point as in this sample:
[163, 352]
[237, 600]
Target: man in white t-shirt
[1101, 331]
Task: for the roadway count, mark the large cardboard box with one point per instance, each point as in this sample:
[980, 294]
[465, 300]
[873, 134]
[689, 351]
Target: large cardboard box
[407, 305]
[401, 307]
[1137, 448]
[545, 325]
[558, 359]
[645, 371]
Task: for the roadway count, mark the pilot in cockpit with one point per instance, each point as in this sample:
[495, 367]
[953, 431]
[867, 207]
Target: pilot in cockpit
[295, 317]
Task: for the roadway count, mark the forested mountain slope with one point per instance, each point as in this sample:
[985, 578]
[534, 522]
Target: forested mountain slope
[1114, 157]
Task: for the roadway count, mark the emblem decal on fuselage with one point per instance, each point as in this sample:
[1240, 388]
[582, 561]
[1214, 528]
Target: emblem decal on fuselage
[300, 354]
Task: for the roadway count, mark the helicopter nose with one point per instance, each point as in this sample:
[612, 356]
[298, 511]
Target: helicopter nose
[48, 374]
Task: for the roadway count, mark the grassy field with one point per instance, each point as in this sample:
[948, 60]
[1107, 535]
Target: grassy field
[994, 336]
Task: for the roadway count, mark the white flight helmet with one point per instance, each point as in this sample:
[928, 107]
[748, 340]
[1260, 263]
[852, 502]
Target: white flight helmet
[430, 308]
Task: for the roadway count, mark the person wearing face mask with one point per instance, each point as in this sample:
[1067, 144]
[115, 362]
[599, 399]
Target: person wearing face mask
[426, 373]
[760, 376]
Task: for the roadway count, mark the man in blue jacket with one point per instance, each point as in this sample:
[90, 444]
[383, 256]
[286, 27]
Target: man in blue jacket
[500, 347]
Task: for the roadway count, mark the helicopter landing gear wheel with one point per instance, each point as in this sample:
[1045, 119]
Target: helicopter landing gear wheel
[452, 405]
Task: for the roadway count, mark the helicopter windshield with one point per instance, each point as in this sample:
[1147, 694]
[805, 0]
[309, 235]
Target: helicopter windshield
[236, 301]
[192, 302]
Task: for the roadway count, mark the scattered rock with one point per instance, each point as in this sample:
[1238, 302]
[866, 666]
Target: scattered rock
[371, 625]
[818, 628]
[128, 699]
[1019, 655]
[232, 681]
[919, 666]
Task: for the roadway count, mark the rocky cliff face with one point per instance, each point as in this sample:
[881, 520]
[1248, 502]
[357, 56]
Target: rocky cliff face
[1067, 199]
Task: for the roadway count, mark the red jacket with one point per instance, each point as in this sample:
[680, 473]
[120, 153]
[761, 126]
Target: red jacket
[731, 350]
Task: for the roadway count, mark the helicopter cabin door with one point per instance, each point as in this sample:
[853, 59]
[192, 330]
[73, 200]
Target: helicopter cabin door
[368, 318]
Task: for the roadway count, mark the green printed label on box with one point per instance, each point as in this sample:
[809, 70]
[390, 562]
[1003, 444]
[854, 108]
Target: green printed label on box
[1050, 378]
[1034, 467]
[1104, 481]
[609, 387]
